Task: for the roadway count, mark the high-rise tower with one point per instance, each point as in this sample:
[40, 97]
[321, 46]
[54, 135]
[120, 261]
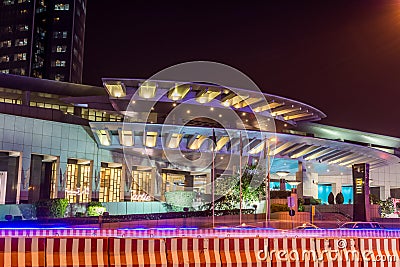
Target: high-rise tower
[43, 38]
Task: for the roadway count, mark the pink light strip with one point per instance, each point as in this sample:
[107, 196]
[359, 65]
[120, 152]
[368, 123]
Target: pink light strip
[176, 232]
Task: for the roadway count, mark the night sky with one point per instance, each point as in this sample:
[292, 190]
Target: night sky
[342, 57]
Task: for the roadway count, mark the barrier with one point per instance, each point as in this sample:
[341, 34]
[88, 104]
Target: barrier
[340, 252]
[58, 232]
[193, 252]
[76, 252]
[379, 252]
[137, 252]
[22, 252]
[189, 251]
[242, 251]
[292, 252]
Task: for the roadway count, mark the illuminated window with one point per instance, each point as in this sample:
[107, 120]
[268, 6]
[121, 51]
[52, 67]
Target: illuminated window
[40, 9]
[60, 35]
[20, 57]
[110, 181]
[6, 29]
[58, 63]
[4, 59]
[6, 43]
[53, 182]
[141, 183]
[8, 2]
[5, 71]
[24, 11]
[23, 1]
[21, 42]
[60, 48]
[77, 182]
[61, 7]
[22, 28]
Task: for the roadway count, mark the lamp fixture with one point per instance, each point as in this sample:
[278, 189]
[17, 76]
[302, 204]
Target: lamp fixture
[115, 88]
[206, 95]
[147, 90]
[178, 92]
[294, 183]
[282, 173]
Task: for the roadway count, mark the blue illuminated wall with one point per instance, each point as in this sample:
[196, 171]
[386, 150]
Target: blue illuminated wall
[323, 192]
[275, 186]
[347, 192]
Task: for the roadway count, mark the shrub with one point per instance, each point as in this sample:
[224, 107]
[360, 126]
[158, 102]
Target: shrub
[51, 207]
[339, 198]
[300, 204]
[179, 199]
[373, 199]
[95, 208]
[331, 198]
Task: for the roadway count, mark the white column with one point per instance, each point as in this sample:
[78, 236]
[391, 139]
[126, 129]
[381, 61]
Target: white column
[310, 184]
[385, 191]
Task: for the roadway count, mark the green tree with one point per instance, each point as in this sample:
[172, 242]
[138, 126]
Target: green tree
[253, 188]
[339, 198]
[331, 198]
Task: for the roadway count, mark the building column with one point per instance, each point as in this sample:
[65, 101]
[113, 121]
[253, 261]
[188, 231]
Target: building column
[300, 174]
[26, 98]
[336, 187]
[282, 184]
[384, 192]
[189, 179]
[62, 176]
[23, 180]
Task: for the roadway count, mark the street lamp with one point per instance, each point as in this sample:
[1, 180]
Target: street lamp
[267, 143]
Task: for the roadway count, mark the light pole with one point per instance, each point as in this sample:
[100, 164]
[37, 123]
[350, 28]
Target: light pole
[267, 143]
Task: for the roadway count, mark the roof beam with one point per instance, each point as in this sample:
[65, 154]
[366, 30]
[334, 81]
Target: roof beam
[304, 152]
[297, 116]
[279, 149]
[293, 148]
[284, 111]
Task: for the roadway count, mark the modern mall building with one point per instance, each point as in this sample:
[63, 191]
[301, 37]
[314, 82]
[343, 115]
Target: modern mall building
[68, 140]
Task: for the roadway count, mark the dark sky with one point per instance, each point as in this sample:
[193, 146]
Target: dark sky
[342, 57]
